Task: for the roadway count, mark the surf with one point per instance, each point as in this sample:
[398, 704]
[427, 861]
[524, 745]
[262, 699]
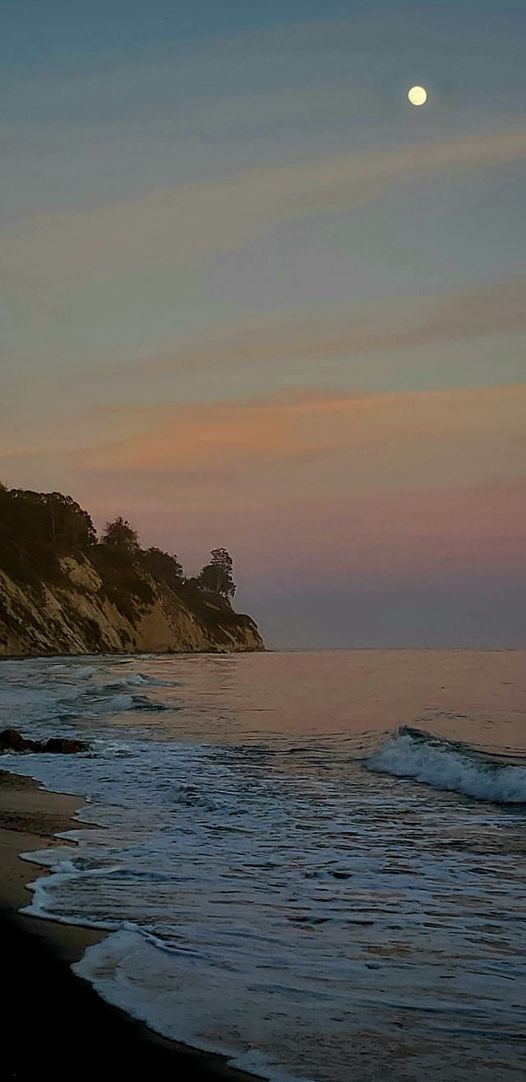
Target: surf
[449, 765]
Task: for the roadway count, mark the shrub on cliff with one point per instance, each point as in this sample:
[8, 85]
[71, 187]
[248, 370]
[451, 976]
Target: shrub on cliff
[216, 576]
[119, 534]
[163, 567]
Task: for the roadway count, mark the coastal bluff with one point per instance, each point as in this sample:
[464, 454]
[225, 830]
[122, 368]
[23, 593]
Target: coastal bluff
[85, 609]
[65, 593]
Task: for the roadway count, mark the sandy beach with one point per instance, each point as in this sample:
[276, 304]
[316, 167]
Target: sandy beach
[54, 1024]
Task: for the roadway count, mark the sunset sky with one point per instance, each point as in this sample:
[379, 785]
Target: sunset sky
[252, 297]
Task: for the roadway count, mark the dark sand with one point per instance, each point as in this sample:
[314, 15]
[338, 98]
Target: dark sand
[54, 1025]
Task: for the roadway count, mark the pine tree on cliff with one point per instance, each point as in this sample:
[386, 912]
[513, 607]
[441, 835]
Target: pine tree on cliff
[119, 534]
[216, 576]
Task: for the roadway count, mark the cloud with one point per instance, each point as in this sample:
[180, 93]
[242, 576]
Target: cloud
[314, 443]
[192, 221]
[405, 324]
[283, 450]
[340, 487]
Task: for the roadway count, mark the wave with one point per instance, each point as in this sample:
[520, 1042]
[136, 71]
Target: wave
[450, 765]
[117, 704]
[81, 672]
[137, 679]
[120, 969]
[96, 706]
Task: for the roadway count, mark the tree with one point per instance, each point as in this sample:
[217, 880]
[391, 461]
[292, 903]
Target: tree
[216, 576]
[120, 535]
[69, 525]
[163, 566]
[47, 517]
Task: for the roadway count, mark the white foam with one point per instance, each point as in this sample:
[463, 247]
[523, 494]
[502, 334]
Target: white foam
[82, 672]
[201, 1007]
[446, 765]
[102, 703]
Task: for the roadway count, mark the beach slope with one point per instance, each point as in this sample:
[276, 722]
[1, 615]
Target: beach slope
[54, 1025]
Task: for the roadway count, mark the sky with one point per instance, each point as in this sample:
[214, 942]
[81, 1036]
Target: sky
[251, 297]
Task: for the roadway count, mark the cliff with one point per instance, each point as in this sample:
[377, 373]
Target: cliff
[115, 608]
[58, 598]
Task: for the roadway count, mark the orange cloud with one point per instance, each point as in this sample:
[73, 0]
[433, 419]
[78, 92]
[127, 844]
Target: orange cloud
[427, 483]
[341, 484]
[467, 436]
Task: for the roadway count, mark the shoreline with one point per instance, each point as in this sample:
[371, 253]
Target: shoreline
[54, 1021]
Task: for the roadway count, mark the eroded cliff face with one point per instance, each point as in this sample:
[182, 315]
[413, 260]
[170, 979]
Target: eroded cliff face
[102, 603]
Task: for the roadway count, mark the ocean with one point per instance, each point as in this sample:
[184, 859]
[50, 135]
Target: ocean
[310, 862]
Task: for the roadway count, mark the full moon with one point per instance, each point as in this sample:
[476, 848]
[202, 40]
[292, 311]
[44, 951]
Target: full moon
[417, 95]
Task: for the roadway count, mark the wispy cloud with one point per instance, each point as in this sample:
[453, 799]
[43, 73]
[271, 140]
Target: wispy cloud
[179, 225]
[340, 487]
[353, 485]
[405, 324]
[389, 441]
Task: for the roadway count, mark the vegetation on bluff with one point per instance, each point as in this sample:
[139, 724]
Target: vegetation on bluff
[64, 590]
[38, 528]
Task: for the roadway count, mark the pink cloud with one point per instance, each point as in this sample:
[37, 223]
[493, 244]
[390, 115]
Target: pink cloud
[423, 484]
[343, 487]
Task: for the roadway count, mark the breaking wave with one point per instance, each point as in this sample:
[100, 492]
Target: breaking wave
[450, 765]
[105, 702]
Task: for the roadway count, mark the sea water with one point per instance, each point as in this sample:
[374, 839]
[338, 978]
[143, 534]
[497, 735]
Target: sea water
[312, 863]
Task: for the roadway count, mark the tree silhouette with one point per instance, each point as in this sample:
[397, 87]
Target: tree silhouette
[69, 525]
[163, 566]
[216, 576]
[120, 535]
[45, 517]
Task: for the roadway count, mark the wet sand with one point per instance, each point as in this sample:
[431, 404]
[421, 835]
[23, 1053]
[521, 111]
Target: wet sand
[54, 1025]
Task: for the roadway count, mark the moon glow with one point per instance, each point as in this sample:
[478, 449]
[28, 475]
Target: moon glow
[417, 95]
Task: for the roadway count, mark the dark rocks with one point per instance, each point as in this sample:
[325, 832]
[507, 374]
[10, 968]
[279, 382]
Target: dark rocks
[60, 744]
[12, 740]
